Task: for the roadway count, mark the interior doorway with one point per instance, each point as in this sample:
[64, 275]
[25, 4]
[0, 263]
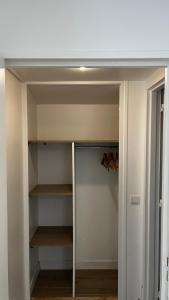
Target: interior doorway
[132, 142]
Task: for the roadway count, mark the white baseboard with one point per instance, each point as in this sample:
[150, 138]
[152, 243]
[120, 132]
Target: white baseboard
[97, 264]
[34, 276]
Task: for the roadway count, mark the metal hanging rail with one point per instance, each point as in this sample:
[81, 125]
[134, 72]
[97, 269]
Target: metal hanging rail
[97, 147]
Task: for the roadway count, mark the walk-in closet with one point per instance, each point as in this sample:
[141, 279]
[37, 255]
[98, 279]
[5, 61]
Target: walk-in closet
[78, 136]
[73, 189]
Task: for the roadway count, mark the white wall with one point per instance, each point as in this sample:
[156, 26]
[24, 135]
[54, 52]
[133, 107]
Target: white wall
[55, 258]
[96, 212]
[32, 134]
[136, 175]
[55, 167]
[78, 122]
[14, 187]
[32, 116]
[78, 28]
[54, 164]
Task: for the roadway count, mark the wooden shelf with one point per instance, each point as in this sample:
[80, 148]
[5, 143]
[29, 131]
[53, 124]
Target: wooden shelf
[53, 283]
[57, 284]
[52, 236]
[44, 190]
[30, 142]
[97, 283]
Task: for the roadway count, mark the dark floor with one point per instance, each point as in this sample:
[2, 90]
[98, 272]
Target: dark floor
[95, 283]
[57, 284]
[51, 283]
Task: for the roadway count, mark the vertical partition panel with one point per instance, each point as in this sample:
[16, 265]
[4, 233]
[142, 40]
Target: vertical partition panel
[4, 284]
[74, 218]
[136, 171]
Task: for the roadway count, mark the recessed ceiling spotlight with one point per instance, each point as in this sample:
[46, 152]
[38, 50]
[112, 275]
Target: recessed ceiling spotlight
[82, 68]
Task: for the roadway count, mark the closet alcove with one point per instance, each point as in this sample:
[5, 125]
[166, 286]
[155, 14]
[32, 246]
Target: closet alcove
[63, 204]
[73, 197]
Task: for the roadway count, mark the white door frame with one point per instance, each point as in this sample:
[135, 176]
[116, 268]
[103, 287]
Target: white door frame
[151, 203]
[122, 216]
[165, 191]
[117, 63]
[3, 188]
[122, 221]
[165, 195]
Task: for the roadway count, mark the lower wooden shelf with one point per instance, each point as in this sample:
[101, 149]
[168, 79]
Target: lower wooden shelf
[97, 283]
[91, 284]
[53, 283]
[52, 236]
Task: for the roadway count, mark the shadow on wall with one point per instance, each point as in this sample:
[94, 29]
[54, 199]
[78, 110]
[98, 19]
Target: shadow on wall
[90, 173]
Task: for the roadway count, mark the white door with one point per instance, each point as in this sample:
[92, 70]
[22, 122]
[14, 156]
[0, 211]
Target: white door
[158, 195]
[165, 199]
[158, 190]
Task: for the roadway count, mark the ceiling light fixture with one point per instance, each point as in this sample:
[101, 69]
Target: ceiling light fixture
[82, 68]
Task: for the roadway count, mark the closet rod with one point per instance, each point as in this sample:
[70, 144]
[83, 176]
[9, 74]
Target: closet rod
[97, 147]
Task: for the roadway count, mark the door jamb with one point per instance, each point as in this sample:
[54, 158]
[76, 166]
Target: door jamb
[122, 185]
[122, 216]
[150, 189]
[165, 195]
[165, 190]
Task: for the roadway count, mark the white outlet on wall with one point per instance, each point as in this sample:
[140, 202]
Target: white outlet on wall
[135, 199]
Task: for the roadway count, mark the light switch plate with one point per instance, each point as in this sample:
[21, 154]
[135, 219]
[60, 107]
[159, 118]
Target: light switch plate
[135, 200]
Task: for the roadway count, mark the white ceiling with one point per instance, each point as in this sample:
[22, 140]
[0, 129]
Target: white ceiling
[75, 74]
[75, 94]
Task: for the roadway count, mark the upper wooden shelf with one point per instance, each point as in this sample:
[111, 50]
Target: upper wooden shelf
[43, 190]
[52, 236]
[30, 142]
[49, 142]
